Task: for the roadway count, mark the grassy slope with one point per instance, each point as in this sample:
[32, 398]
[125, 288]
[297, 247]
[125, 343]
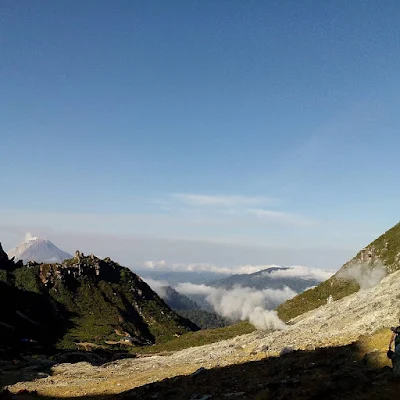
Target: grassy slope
[199, 338]
[385, 249]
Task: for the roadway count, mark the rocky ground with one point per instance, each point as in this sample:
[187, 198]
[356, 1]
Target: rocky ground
[322, 360]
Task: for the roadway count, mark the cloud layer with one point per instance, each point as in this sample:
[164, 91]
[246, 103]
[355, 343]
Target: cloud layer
[296, 271]
[302, 273]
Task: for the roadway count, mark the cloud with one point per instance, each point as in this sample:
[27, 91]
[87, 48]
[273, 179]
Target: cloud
[195, 289]
[155, 264]
[283, 272]
[366, 276]
[281, 217]
[301, 272]
[29, 236]
[243, 303]
[158, 286]
[203, 267]
[200, 200]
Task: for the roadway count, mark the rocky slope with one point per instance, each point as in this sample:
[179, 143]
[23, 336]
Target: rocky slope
[384, 251]
[100, 302]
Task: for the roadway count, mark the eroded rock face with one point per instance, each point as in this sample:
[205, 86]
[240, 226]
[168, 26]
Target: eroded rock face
[79, 266]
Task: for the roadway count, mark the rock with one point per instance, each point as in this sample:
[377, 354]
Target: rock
[375, 359]
[233, 395]
[286, 350]
[199, 371]
[42, 375]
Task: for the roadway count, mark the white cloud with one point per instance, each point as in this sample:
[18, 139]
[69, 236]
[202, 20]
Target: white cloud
[195, 289]
[158, 286]
[243, 303]
[29, 236]
[281, 217]
[202, 267]
[288, 272]
[301, 272]
[155, 264]
[200, 200]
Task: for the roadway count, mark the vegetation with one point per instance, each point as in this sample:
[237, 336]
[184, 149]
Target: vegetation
[97, 301]
[313, 298]
[199, 338]
[204, 319]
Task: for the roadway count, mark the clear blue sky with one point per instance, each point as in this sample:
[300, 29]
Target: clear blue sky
[267, 123]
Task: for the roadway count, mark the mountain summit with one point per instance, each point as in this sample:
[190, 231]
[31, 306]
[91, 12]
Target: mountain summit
[38, 250]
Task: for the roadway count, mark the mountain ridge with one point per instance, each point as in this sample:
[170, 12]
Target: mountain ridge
[267, 279]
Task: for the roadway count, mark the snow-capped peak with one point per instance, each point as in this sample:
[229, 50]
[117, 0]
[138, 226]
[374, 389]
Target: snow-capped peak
[39, 250]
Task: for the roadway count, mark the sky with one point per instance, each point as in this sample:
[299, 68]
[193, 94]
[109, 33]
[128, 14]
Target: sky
[223, 133]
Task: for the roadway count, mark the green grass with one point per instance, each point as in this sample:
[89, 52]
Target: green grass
[313, 298]
[199, 338]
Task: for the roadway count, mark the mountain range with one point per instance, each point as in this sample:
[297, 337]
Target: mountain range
[334, 345]
[269, 278]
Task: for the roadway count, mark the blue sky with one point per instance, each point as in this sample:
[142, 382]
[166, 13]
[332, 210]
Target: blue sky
[237, 125]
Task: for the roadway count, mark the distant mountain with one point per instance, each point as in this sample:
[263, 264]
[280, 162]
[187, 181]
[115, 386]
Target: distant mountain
[189, 309]
[82, 300]
[38, 250]
[175, 277]
[270, 278]
[175, 300]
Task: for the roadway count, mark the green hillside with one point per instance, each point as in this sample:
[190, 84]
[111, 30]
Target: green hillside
[384, 250]
[84, 299]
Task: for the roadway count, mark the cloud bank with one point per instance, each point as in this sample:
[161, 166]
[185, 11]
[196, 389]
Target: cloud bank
[301, 272]
[243, 303]
[296, 271]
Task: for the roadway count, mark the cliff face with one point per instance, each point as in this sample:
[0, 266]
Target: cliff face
[99, 300]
